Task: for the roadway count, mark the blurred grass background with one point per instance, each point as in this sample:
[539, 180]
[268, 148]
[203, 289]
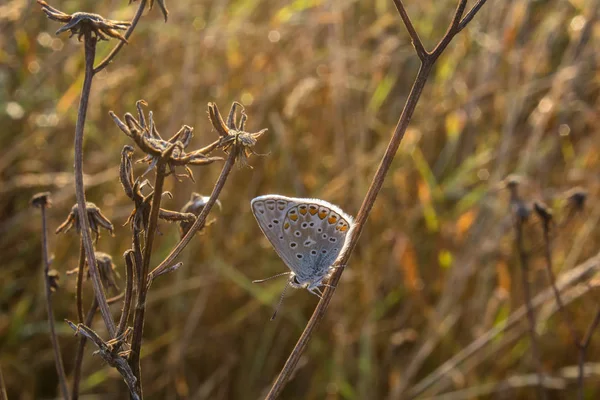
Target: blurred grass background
[516, 92]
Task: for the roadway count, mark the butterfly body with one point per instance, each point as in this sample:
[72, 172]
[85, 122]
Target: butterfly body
[308, 235]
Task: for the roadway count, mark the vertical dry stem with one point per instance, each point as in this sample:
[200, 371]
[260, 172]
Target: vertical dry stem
[428, 59]
[60, 369]
[140, 307]
[90, 52]
[80, 348]
[523, 257]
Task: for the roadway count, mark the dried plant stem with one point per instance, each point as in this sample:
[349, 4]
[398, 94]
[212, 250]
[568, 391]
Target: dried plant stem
[138, 14]
[428, 59]
[583, 346]
[142, 290]
[523, 258]
[201, 220]
[86, 238]
[128, 293]
[80, 270]
[3, 395]
[80, 348]
[60, 369]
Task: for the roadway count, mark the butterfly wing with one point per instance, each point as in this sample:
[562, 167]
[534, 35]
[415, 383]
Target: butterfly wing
[308, 234]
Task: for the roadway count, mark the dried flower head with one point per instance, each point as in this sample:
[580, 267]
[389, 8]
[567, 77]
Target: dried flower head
[194, 206]
[171, 151]
[233, 136]
[95, 217]
[40, 200]
[106, 268]
[81, 23]
[161, 5]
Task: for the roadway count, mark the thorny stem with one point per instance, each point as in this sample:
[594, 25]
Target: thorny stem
[79, 293]
[140, 307]
[523, 257]
[86, 238]
[138, 14]
[427, 63]
[80, 348]
[60, 369]
[201, 220]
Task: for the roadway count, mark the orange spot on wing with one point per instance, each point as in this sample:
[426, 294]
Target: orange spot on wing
[312, 210]
[287, 224]
[322, 214]
[344, 228]
[332, 219]
[294, 217]
[302, 210]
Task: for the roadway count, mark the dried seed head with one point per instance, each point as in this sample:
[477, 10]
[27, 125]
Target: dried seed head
[106, 268]
[233, 136]
[40, 200]
[171, 151]
[81, 23]
[194, 206]
[95, 218]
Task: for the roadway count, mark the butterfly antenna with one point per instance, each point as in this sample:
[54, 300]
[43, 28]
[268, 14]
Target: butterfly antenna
[271, 277]
[280, 301]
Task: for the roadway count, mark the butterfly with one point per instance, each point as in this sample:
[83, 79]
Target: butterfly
[308, 235]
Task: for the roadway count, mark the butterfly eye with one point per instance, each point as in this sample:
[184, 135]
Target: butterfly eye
[295, 280]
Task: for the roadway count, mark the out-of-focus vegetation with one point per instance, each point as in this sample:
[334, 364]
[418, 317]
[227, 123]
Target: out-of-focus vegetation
[516, 92]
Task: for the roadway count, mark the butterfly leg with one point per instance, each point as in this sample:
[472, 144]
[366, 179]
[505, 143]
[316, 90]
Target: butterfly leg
[316, 292]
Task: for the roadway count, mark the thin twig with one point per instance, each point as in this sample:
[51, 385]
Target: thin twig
[414, 36]
[129, 260]
[140, 307]
[427, 63]
[89, 318]
[201, 220]
[583, 346]
[552, 279]
[523, 257]
[79, 292]
[138, 14]
[60, 369]
[3, 395]
[90, 52]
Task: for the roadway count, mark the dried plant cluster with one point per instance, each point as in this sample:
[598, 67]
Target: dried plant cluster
[117, 289]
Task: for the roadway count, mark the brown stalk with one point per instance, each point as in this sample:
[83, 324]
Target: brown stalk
[80, 348]
[79, 293]
[524, 261]
[142, 290]
[201, 220]
[128, 292]
[138, 14]
[86, 238]
[60, 369]
[428, 59]
[3, 395]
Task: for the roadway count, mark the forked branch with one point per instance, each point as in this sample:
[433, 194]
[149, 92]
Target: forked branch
[427, 62]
